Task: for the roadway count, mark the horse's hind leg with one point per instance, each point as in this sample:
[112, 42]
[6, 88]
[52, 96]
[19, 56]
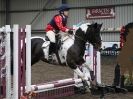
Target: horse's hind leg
[34, 60]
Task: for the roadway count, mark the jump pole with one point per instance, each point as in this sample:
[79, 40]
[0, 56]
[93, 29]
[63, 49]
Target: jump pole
[98, 66]
[8, 62]
[56, 84]
[93, 60]
[15, 62]
[6, 66]
[29, 87]
[28, 58]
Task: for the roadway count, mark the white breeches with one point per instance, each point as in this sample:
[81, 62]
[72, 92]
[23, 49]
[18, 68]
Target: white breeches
[51, 36]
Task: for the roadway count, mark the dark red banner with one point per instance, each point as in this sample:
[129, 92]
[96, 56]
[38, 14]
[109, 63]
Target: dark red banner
[101, 12]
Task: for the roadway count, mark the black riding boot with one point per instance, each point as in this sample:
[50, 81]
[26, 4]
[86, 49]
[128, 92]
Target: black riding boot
[52, 49]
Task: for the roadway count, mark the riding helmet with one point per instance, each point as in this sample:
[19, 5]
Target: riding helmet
[63, 7]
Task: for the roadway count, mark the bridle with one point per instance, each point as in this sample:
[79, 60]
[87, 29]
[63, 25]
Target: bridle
[77, 37]
[85, 41]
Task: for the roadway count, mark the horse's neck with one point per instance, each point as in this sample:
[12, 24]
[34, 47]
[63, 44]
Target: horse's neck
[80, 46]
[69, 41]
[80, 43]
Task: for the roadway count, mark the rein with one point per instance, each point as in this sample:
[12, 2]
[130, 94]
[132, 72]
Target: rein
[77, 37]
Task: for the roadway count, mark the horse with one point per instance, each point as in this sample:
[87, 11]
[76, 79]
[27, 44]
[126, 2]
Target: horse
[126, 32]
[122, 66]
[84, 33]
[72, 48]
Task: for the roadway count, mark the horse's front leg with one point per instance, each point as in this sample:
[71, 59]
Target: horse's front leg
[90, 71]
[84, 74]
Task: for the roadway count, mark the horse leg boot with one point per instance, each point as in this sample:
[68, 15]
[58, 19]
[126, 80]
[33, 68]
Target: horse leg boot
[85, 80]
[91, 75]
[90, 70]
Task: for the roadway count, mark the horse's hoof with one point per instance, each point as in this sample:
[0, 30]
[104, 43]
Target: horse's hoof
[102, 98]
[80, 90]
[121, 90]
[85, 84]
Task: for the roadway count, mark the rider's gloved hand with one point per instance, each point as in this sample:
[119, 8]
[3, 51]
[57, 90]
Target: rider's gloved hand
[70, 31]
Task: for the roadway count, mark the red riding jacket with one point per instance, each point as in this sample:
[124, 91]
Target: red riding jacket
[58, 23]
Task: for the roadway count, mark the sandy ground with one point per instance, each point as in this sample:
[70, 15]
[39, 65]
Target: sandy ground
[43, 72]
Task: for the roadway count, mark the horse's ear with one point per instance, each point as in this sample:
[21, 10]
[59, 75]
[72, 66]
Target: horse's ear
[95, 25]
[100, 25]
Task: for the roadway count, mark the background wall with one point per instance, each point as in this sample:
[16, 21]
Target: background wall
[24, 11]
[2, 13]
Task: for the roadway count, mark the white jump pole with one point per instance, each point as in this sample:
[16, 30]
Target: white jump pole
[28, 58]
[98, 66]
[91, 57]
[8, 62]
[56, 84]
[15, 61]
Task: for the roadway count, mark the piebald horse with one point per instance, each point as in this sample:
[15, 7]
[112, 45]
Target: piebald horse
[67, 44]
[72, 47]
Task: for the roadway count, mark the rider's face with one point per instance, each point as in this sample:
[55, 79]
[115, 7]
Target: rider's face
[66, 13]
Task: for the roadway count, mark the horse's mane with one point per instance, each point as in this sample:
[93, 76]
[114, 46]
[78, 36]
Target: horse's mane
[128, 26]
[83, 26]
[124, 57]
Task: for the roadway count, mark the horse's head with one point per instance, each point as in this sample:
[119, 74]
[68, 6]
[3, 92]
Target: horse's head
[93, 35]
[128, 29]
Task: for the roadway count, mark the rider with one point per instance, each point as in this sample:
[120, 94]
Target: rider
[57, 23]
